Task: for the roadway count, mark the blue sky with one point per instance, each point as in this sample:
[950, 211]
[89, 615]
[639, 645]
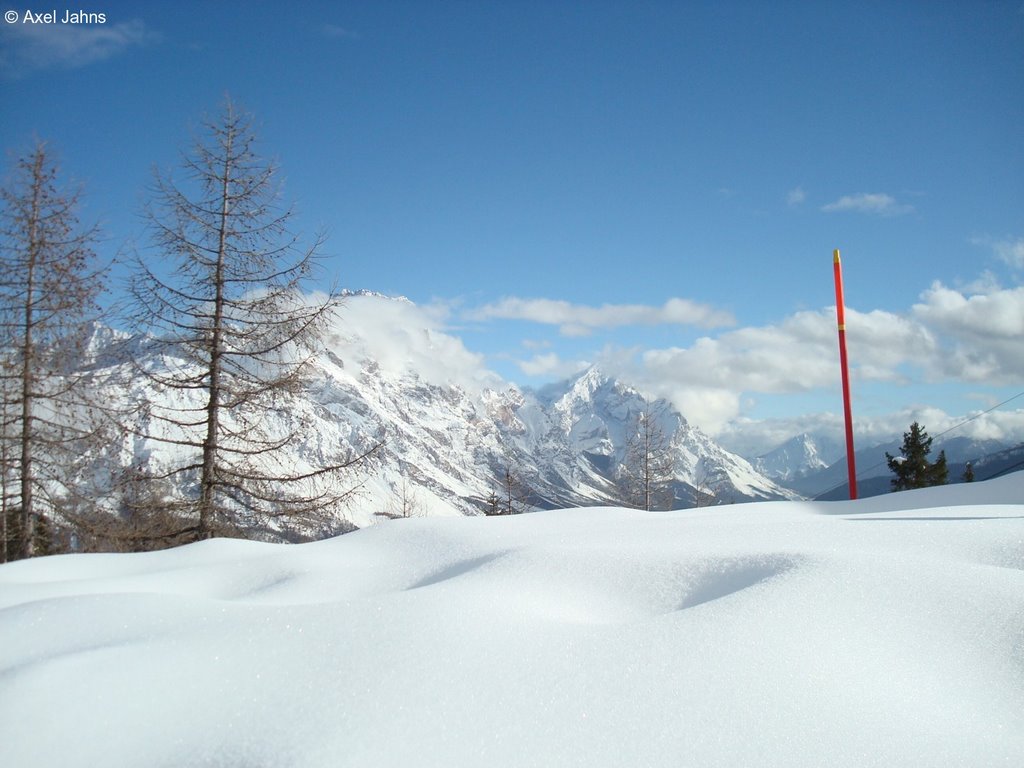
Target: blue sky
[522, 170]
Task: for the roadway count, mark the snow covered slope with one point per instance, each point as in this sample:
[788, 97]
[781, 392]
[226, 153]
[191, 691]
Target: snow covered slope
[883, 632]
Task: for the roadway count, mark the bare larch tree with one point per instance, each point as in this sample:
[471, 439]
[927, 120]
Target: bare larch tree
[223, 302]
[646, 472]
[49, 286]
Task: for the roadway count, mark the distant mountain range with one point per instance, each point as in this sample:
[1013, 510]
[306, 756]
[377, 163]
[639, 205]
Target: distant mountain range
[797, 458]
[451, 445]
[798, 464]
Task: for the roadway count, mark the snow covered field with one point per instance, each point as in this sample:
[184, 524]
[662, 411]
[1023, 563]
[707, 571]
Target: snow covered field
[885, 632]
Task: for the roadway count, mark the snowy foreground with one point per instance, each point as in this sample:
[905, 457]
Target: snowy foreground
[885, 632]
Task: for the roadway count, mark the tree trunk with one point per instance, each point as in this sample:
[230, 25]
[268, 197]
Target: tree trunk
[27, 369]
[208, 492]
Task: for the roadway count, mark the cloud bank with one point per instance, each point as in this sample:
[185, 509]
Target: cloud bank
[403, 338]
[948, 335]
[582, 320]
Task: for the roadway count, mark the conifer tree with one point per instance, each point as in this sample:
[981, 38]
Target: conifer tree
[911, 467]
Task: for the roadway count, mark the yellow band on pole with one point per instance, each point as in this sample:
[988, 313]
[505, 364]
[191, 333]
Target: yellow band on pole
[835, 256]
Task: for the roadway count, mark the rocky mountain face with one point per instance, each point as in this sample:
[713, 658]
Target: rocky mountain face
[449, 449]
[592, 418]
[450, 445]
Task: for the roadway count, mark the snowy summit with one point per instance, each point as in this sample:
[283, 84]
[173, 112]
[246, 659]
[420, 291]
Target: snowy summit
[883, 632]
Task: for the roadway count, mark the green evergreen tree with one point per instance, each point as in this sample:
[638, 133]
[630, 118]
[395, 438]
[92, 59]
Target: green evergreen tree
[911, 467]
[938, 473]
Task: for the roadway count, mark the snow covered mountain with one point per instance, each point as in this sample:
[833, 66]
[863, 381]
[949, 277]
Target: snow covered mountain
[449, 446]
[797, 457]
[591, 418]
[454, 435]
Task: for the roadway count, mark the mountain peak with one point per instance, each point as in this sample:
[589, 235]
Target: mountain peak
[589, 381]
[365, 293]
[794, 458]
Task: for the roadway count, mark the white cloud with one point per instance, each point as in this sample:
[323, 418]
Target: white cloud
[793, 356]
[708, 379]
[1006, 425]
[1006, 249]
[552, 366]
[795, 196]
[67, 46]
[986, 282]
[709, 409]
[998, 313]
[750, 437]
[878, 204]
[755, 437]
[581, 320]
[881, 343]
[984, 332]
[800, 354]
[403, 338]
[1011, 251]
[947, 336]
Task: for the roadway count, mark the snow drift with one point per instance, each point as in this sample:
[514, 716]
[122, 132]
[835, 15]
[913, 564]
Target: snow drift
[884, 632]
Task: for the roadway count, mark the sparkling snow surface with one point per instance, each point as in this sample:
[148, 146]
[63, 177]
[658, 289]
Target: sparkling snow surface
[885, 632]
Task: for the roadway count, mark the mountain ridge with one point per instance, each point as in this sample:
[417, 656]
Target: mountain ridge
[453, 436]
[448, 441]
